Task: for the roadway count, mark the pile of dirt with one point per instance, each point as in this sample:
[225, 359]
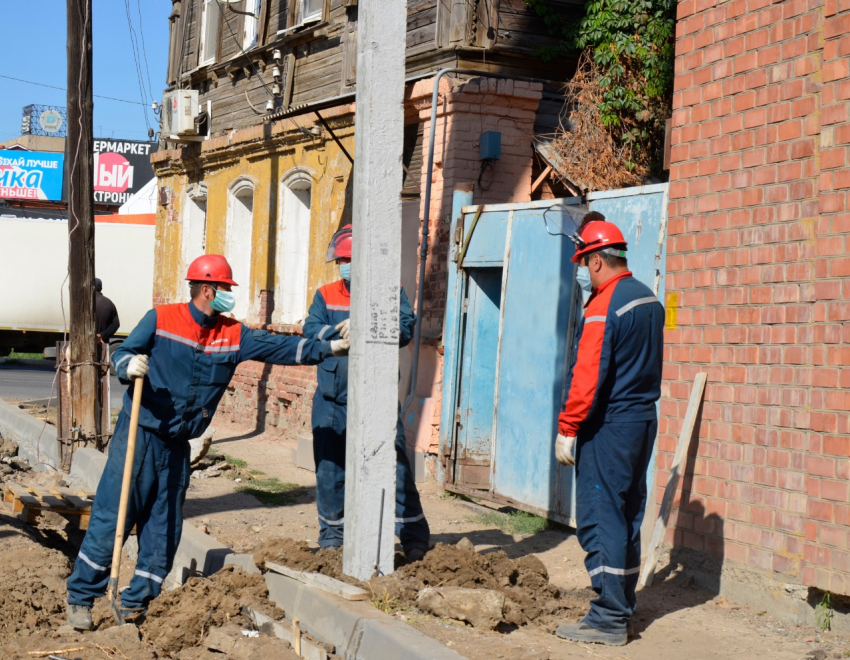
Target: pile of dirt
[299, 555]
[32, 581]
[529, 596]
[181, 618]
[524, 582]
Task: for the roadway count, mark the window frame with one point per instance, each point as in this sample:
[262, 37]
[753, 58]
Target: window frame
[204, 30]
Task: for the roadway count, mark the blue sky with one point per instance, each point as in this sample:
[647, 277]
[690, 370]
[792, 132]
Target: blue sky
[35, 49]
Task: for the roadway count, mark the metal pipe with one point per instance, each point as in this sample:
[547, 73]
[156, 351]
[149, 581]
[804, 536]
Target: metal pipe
[423, 245]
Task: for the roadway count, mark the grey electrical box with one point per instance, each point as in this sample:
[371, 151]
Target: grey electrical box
[490, 145]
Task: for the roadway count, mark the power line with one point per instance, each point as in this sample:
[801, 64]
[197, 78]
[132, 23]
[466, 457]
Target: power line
[136, 60]
[144, 48]
[62, 89]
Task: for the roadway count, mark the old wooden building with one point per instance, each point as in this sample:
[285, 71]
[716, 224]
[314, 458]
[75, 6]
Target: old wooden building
[270, 182]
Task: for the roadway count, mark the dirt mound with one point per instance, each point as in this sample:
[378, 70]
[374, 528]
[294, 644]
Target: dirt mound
[180, 619]
[32, 580]
[299, 555]
[529, 597]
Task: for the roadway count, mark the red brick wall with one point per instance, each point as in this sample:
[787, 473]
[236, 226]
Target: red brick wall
[756, 260]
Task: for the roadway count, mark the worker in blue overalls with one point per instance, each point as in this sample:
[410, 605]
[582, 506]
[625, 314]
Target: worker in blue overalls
[328, 319]
[188, 353]
[607, 427]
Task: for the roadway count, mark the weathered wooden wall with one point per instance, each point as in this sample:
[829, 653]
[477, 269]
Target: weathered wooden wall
[498, 35]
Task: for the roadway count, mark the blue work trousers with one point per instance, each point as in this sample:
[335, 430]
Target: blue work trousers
[610, 500]
[329, 454]
[157, 492]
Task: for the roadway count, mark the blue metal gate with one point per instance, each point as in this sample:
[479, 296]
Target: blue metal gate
[512, 305]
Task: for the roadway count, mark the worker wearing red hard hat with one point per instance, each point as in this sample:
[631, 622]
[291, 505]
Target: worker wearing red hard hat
[329, 317]
[608, 424]
[187, 354]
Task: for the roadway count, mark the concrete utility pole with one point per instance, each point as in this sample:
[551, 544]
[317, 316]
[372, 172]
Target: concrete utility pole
[79, 173]
[370, 463]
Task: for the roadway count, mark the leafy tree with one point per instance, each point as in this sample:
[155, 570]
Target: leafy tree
[633, 42]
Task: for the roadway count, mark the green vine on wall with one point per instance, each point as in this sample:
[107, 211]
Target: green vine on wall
[633, 43]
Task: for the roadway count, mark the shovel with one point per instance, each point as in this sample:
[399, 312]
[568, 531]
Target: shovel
[112, 586]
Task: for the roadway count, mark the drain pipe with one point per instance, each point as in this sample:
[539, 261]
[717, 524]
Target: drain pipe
[423, 243]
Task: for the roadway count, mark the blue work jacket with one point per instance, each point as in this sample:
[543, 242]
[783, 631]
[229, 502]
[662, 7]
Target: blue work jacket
[332, 304]
[192, 359]
[616, 373]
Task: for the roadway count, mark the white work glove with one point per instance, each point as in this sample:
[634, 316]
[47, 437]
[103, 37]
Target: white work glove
[340, 347]
[343, 327]
[565, 450]
[138, 367]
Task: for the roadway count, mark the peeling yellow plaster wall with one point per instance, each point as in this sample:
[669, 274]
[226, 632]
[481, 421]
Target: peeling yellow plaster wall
[266, 165]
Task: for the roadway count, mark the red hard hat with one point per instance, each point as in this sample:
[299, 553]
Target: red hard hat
[595, 236]
[340, 245]
[210, 268]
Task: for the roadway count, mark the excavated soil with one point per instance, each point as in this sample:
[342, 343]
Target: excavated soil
[530, 597]
[180, 624]
[32, 580]
[179, 619]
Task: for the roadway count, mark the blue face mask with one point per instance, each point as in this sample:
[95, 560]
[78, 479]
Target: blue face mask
[345, 271]
[224, 301]
[583, 279]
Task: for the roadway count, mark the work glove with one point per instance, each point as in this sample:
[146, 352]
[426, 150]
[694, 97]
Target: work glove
[138, 367]
[565, 449]
[340, 347]
[343, 327]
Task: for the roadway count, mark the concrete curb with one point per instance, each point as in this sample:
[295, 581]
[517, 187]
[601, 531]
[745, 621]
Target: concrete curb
[37, 443]
[356, 629]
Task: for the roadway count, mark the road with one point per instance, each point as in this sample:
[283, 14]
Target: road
[26, 381]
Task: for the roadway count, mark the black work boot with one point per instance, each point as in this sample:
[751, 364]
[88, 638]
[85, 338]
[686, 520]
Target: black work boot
[416, 553]
[581, 632]
[79, 617]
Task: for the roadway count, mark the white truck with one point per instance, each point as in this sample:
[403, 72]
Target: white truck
[34, 302]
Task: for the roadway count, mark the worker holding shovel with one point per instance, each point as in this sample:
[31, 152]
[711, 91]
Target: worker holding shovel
[182, 357]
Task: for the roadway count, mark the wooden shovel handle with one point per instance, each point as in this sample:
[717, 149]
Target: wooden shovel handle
[138, 386]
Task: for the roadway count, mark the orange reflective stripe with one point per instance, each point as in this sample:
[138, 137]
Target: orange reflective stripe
[336, 295]
[175, 322]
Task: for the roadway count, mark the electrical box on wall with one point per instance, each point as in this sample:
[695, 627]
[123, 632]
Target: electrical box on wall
[490, 145]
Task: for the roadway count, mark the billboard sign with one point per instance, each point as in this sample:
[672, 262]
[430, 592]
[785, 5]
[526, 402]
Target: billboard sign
[31, 175]
[121, 168]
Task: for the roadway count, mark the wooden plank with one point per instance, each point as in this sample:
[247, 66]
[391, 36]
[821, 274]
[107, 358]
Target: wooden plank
[72, 500]
[679, 461]
[323, 582]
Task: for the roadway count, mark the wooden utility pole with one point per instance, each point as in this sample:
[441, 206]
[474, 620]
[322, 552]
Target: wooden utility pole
[370, 464]
[79, 173]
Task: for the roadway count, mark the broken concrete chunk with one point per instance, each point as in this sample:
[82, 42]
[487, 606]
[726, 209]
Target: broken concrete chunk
[465, 544]
[8, 448]
[483, 608]
[200, 446]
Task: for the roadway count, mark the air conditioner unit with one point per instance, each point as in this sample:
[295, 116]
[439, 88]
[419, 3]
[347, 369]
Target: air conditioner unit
[179, 109]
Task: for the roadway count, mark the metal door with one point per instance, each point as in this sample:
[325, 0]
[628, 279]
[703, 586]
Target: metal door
[511, 283]
[471, 464]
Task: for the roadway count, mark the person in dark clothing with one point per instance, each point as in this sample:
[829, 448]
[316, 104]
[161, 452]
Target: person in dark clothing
[106, 319]
[607, 428]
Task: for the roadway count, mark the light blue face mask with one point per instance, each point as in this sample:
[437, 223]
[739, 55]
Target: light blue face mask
[224, 301]
[345, 271]
[583, 279]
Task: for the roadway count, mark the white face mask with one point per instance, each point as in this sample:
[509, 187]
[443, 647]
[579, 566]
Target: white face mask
[583, 279]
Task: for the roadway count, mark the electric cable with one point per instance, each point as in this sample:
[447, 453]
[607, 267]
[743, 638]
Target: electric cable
[137, 61]
[243, 51]
[144, 48]
[63, 89]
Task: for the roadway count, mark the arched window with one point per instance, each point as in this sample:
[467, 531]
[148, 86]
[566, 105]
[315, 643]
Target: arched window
[238, 248]
[293, 246]
[194, 239]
